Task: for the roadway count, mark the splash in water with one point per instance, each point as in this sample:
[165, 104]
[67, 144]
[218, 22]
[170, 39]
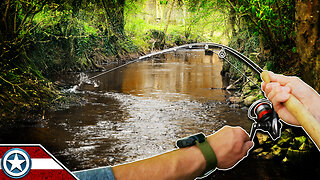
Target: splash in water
[83, 79]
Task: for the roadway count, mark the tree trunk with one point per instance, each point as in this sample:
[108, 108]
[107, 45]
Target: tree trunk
[169, 16]
[261, 46]
[184, 14]
[114, 11]
[232, 20]
[307, 40]
[158, 10]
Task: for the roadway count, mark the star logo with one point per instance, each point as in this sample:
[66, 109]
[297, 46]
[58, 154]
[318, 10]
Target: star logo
[16, 163]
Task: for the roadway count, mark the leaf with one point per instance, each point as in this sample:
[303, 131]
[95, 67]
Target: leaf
[253, 9]
[241, 8]
[271, 13]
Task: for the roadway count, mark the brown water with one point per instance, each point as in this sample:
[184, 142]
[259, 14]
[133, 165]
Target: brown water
[140, 111]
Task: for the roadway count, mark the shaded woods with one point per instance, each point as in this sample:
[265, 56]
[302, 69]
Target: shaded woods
[39, 39]
[289, 30]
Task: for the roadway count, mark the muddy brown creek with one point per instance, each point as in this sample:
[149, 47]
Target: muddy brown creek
[139, 111]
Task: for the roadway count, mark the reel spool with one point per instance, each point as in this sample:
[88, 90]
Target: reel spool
[265, 118]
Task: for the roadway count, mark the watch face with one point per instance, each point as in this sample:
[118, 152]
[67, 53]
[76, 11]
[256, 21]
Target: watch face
[200, 137]
[186, 142]
[191, 140]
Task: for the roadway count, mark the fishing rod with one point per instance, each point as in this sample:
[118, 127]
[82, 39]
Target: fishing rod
[223, 48]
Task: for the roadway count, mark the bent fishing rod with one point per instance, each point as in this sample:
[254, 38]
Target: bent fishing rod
[222, 53]
[261, 111]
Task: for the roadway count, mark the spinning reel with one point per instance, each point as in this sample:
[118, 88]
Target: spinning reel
[265, 118]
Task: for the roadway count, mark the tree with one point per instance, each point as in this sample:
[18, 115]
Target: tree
[204, 11]
[169, 16]
[290, 29]
[274, 20]
[21, 86]
[15, 25]
[115, 17]
[308, 40]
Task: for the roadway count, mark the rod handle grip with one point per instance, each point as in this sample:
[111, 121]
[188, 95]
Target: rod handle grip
[303, 116]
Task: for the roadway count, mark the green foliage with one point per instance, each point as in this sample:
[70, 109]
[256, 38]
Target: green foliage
[275, 21]
[73, 36]
[23, 88]
[42, 38]
[192, 21]
[246, 43]
[269, 66]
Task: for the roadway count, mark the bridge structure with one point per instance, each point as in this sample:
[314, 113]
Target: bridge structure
[221, 50]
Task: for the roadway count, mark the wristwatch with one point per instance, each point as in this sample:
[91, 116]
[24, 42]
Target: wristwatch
[201, 142]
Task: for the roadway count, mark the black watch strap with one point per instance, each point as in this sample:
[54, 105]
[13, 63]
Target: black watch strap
[191, 140]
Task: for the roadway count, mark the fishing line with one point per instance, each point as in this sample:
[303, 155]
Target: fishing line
[110, 70]
[241, 72]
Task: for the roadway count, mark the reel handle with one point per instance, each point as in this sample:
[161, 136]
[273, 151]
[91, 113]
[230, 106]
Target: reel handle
[304, 117]
[253, 131]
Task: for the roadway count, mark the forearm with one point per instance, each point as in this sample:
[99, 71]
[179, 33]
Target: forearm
[185, 163]
[229, 144]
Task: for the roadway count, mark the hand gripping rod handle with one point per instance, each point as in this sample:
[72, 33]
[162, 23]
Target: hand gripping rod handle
[304, 117]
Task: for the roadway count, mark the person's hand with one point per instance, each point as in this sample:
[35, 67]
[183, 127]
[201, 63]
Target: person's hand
[279, 90]
[230, 144]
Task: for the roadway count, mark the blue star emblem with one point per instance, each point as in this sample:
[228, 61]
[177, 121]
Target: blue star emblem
[16, 163]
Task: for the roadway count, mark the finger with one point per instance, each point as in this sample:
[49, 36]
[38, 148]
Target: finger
[283, 80]
[246, 147]
[263, 86]
[283, 112]
[286, 89]
[272, 89]
[242, 134]
[271, 86]
[281, 97]
[279, 94]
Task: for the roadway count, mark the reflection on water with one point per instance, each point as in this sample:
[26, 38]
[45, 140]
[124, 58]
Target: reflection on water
[176, 73]
[140, 111]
